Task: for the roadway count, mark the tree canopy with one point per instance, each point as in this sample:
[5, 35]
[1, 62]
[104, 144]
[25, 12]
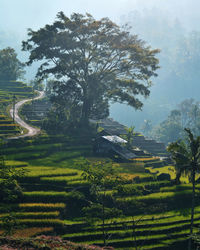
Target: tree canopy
[10, 66]
[93, 62]
[187, 114]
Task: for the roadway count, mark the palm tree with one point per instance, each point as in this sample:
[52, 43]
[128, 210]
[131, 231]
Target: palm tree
[187, 160]
[129, 136]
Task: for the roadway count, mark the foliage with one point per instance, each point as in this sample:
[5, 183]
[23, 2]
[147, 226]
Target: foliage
[168, 130]
[100, 175]
[93, 213]
[10, 192]
[10, 67]
[190, 115]
[159, 224]
[10, 188]
[42, 242]
[37, 84]
[187, 114]
[185, 155]
[129, 136]
[9, 224]
[130, 189]
[92, 62]
[187, 159]
[97, 174]
[59, 120]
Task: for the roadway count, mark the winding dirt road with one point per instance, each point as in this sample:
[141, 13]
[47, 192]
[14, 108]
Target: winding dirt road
[31, 130]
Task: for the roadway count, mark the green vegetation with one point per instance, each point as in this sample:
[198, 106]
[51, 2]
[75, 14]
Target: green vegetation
[186, 115]
[11, 68]
[187, 160]
[55, 184]
[154, 213]
[9, 89]
[56, 198]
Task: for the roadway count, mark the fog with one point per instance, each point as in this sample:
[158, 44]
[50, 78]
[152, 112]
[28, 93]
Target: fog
[164, 24]
[17, 16]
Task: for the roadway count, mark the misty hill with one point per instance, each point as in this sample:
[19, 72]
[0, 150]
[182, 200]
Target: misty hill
[178, 76]
[165, 25]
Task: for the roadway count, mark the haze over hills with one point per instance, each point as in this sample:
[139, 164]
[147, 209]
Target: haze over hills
[89, 181]
[162, 24]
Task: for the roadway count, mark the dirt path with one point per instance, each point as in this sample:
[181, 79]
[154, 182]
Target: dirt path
[31, 130]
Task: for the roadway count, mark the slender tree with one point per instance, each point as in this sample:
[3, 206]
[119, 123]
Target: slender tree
[101, 175]
[187, 159]
[97, 58]
[129, 136]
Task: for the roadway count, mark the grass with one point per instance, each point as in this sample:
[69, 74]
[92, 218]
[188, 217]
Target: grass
[147, 159]
[40, 222]
[131, 168]
[54, 161]
[165, 169]
[30, 215]
[40, 171]
[67, 179]
[36, 207]
[170, 170]
[49, 196]
[16, 163]
[157, 196]
[32, 231]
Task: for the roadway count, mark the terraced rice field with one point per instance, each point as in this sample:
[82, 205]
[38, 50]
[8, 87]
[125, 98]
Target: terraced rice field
[7, 91]
[155, 213]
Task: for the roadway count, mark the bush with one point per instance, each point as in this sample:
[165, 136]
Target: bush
[164, 177]
[130, 189]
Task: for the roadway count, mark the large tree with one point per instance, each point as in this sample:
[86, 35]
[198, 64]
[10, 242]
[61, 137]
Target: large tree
[96, 57]
[10, 66]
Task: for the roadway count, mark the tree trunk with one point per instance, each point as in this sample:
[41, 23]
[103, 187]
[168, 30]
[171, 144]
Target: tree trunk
[103, 220]
[178, 176]
[85, 111]
[192, 209]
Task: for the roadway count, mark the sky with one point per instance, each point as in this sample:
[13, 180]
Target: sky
[34, 13]
[16, 16]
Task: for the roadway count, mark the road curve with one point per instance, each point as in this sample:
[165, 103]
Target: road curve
[31, 130]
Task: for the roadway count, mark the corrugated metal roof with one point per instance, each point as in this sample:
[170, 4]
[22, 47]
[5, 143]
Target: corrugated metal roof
[125, 153]
[114, 139]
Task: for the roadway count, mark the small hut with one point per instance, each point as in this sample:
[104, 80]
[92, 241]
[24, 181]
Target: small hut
[113, 145]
